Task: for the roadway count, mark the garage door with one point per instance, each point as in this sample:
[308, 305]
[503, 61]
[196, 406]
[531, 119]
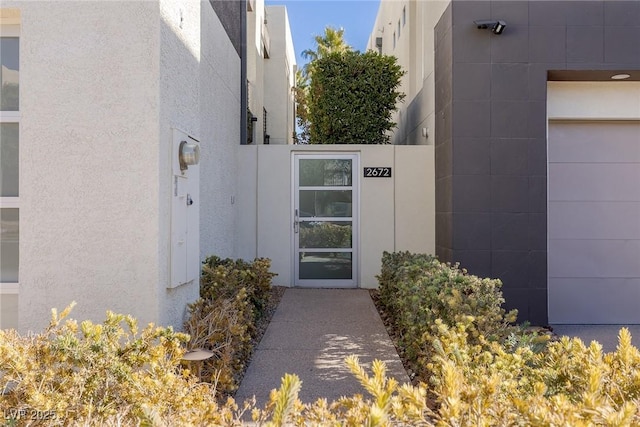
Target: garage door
[594, 222]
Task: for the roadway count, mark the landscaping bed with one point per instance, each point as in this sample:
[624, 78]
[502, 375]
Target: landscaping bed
[470, 364]
[478, 368]
[236, 305]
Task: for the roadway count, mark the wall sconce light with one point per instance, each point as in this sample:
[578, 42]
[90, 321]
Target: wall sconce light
[425, 132]
[496, 26]
[189, 154]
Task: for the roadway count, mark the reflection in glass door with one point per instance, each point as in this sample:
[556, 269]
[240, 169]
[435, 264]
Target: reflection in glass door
[325, 220]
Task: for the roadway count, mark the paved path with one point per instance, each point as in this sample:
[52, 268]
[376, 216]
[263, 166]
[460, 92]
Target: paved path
[311, 333]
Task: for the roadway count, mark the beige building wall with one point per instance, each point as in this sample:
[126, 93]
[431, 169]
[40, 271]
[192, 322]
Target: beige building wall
[395, 214]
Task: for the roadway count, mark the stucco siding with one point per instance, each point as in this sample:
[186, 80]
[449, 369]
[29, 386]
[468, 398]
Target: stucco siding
[414, 48]
[199, 94]
[396, 213]
[220, 138]
[180, 109]
[279, 78]
[88, 133]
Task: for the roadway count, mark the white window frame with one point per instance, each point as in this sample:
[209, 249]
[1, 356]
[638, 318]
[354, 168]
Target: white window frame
[10, 288]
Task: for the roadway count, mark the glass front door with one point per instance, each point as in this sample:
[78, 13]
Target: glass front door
[325, 220]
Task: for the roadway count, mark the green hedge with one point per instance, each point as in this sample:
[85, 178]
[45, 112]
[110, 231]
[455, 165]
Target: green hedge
[416, 290]
[234, 294]
[224, 278]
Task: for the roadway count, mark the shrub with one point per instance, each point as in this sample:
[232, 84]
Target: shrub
[483, 371]
[416, 290]
[567, 384]
[326, 234]
[351, 98]
[221, 327]
[234, 294]
[109, 374]
[224, 278]
[101, 373]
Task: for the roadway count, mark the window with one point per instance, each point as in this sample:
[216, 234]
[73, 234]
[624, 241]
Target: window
[394, 40]
[9, 160]
[398, 28]
[404, 15]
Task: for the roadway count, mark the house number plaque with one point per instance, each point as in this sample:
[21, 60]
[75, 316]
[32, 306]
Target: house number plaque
[378, 172]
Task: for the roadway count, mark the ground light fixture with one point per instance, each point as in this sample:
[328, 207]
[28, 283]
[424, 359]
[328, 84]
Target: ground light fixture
[496, 26]
[196, 356]
[621, 76]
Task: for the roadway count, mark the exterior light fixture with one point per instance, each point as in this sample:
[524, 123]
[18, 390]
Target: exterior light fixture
[496, 26]
[189, 154]
[196, 356]
[622, 76]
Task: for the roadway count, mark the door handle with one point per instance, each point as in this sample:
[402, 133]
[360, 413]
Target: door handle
[296, 222]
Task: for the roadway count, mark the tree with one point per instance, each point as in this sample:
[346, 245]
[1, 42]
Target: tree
[301, 136]
[351, 96]
[332, 41]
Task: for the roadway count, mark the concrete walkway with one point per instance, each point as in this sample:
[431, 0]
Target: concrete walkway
[311, 333]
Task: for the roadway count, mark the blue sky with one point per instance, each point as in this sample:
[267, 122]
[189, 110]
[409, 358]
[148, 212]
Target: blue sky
[308, 18]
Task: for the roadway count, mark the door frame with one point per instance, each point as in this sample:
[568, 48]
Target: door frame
[355, 220]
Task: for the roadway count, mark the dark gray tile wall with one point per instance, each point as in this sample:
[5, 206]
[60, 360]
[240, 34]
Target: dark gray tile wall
[491, 159]
[443, 144]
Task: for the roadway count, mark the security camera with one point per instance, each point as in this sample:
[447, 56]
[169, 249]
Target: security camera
[484, 24]
[497, 27]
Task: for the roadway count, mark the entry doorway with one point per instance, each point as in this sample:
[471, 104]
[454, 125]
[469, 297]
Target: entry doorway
[325, 220]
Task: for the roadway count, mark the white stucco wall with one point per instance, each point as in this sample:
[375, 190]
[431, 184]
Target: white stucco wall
[255, 67]
[102, 85]
[179, 108]
[395, 214]
[279, 77]
[271, 77]
[89, 144]
[220, 110]
[247, 202]
[415, 50]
